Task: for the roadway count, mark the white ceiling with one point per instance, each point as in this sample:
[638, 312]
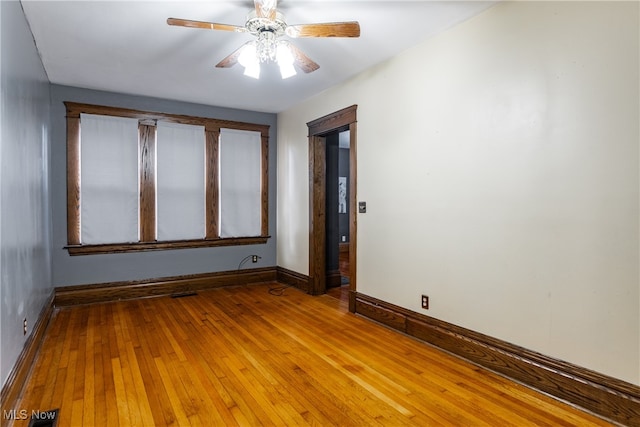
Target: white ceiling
[127, 47]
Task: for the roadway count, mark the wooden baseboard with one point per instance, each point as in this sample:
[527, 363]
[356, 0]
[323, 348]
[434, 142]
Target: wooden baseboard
[602, 395]
[12, 388]
[87, 294]
[292, 278]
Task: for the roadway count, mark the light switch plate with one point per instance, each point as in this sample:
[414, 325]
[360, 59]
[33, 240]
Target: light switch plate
[362, 207]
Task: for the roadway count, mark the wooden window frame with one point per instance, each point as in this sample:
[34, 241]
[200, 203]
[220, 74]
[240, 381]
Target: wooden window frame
[146, 128]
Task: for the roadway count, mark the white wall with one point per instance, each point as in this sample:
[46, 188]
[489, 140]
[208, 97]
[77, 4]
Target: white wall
[500, 165]
[25, 264]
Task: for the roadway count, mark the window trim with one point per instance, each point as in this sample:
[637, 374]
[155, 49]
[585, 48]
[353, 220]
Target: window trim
[146, 121]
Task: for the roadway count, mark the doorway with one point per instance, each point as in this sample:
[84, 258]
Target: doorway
[320, 131]
[337, 144]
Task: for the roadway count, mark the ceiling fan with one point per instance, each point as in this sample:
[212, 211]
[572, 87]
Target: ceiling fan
[268, 25]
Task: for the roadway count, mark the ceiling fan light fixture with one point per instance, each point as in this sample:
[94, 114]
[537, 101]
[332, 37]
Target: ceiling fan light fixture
[249, 60]
[267, 25]
[285, 60]
[266, 48]
[287, 70]
[252, 71]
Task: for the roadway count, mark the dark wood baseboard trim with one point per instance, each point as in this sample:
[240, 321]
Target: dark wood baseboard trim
[87, 294]
[608, 397]
[12, 388]
[292, 278]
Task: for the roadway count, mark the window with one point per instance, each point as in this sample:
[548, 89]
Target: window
[109, 177]
[140, 180]
[239, 182]
[180, 186]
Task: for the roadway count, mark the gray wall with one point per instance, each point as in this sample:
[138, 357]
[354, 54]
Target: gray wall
[24, 181]
[88, 269]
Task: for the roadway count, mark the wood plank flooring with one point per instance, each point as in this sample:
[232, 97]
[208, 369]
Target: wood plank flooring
[242, 356]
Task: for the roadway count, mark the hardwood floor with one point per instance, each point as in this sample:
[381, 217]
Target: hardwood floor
[341, 293]
[242, 356]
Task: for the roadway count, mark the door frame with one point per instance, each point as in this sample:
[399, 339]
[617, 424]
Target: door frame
[344, 119]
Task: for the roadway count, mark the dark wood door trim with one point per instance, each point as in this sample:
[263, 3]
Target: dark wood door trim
[317, 215]
[332, 122]
[344, 119]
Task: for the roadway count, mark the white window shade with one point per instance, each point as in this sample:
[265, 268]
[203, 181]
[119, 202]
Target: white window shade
[180, 185]
[240, 183]
[109, 179]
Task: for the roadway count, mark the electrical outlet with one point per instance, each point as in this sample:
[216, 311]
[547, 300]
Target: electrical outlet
[254, 258]
[24, 326]
[425, 302]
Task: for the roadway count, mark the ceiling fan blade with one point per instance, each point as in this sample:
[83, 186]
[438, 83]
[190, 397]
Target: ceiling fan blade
[330, 29]
[231, 59]
[266, 8]
[205, 25]
[302, 61]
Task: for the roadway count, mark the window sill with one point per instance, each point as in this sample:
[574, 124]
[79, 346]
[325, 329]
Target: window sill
[158, 246]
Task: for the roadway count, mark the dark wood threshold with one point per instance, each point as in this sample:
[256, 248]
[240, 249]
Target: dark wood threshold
[87, 294]
[608, 397]
[292, 278]
[12, 388]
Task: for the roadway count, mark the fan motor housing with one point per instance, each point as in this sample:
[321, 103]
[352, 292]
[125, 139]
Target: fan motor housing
[256, 24]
